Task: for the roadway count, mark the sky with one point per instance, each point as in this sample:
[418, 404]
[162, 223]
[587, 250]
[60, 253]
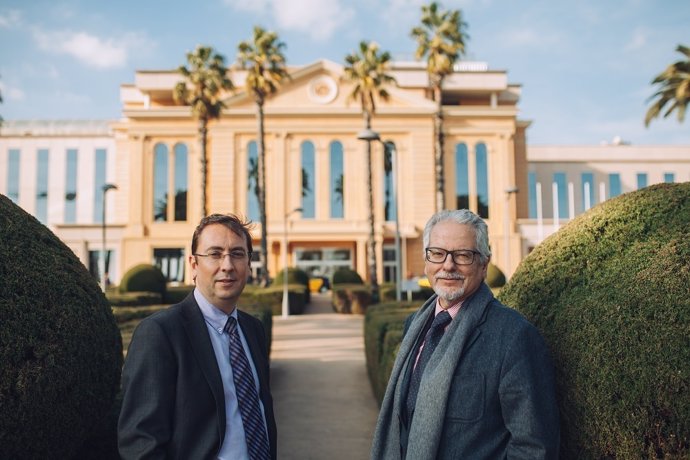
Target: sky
[585, 66]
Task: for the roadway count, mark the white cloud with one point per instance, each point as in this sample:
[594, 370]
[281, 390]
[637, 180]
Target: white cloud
[91, 50]
[10, 19]
[638, 40]
[317, 18]
[10, 93]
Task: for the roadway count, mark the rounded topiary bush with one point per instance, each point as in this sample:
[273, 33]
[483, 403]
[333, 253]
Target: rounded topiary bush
[495, 277]
[143, 277]
[346, 276]
[611, 293]
[295, 276]
[60, 347]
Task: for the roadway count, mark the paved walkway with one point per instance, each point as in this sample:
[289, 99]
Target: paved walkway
[325, 408]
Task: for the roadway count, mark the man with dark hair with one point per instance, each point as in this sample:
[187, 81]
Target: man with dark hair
[472, 378]
[196, 377]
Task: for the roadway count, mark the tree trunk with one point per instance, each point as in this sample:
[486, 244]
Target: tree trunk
[371, 241]
[438, 148]
[261, 188]
[203, 134]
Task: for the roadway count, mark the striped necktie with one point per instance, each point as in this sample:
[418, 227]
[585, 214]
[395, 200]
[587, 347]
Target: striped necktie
[247, 397]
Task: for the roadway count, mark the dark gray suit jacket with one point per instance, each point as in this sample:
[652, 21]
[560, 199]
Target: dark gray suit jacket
[173, 405]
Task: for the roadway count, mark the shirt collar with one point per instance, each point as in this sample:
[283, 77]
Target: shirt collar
[452, 310]
[215, 317]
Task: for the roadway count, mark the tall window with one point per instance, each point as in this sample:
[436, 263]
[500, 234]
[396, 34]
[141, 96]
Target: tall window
[171, 262]
[160, 182]
[532, 188]
[71, 187]
[390, 209]
[587, 191]
[482, 180]
[669, 178]
[462, 186]
[98, 184]
[13, 175]
[308, 180]
[42, 186]
[95, 263]
[337, 180]
[559, 179]
[180, 182]
[614, 185]
[641, 180]
[252, 180]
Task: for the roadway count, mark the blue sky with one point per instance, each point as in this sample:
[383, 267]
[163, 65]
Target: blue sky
[585, 66]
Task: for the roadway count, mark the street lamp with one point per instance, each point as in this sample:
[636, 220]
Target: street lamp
[286, 301]
[506, 227]
[106, 188]
[369, 136]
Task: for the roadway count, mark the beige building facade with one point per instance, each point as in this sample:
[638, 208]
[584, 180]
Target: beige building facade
[316, 194]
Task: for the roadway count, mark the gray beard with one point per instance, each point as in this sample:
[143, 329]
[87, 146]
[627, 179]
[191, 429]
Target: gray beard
[450, 296]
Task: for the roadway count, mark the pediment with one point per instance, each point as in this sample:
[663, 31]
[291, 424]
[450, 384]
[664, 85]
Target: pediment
[320, 86]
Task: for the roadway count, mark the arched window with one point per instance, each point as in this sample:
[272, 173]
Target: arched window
[252, 179]
[390, 209]
[160, 182]
[308, 180]
[482, 180]
[462, 187]
[337, 180]
[180, 181]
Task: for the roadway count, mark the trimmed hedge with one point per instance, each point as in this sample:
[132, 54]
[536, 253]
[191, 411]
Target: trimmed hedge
[351, 298]
[346, 275]
[611, 294]
[383, 326]
[143, 277]
[272, 298]
[60, 348]
[495, 277]
[295, 276]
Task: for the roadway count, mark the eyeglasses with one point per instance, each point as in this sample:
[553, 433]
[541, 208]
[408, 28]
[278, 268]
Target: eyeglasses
[459, 257]
[218, 256]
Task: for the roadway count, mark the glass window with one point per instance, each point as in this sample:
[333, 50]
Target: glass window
[588, 196]
[669, 178]
[95, 264]
[13, 175]
[180, 182]
[337, 181]
[308, 180]
[389, 265]
[532, 190]
[482, 180]
[99, 182]
[390, 211]
[252, 181]
[462, 186]
[641, 180]
[42, 186]
[171, 263]
[71, 187]
[160, 182]
[562, 190]
[614, 185]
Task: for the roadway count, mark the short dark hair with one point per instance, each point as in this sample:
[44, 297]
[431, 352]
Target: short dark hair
[236, 224]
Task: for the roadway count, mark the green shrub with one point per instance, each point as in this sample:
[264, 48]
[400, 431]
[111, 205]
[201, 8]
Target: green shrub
[352, 298]
[272, 298]
[495, 277]
[295, 276]
[133, 299]
[388, 293]
[611, 293]
[383, 324]
[176, 294]
[346, 275]
[60, 348]
[143, 277]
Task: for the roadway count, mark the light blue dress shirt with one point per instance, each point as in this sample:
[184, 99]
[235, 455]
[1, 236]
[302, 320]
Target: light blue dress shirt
[234, 445]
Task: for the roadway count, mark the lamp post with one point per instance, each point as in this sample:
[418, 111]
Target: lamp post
[286, 301]
[106, 188]
[506, 227]
[368, 135]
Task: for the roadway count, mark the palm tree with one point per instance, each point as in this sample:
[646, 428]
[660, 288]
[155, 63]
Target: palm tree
[202, 89]
[366, 70]
[265, 63]
[674, 88]
[441, 39]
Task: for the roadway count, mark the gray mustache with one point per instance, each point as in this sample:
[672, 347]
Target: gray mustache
[449, 276]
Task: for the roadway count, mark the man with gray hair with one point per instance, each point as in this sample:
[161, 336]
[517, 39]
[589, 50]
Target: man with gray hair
[473, 378]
